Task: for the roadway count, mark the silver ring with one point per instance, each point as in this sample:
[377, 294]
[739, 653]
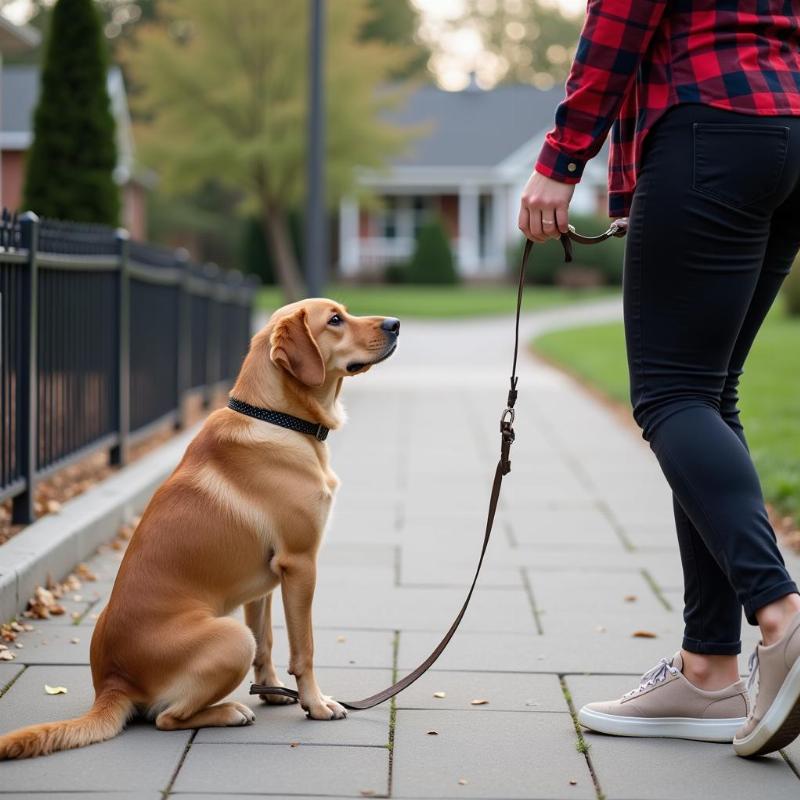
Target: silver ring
[547, 221]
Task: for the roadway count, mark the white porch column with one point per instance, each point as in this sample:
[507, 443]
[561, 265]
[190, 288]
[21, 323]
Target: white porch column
[468, 231]
[349, 251]
[500, 239]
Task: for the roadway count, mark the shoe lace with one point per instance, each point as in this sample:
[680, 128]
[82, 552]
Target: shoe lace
[752, 669]
[655, 675]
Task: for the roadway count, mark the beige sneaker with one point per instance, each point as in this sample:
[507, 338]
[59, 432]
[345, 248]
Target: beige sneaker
[666, 704]
[775, 719]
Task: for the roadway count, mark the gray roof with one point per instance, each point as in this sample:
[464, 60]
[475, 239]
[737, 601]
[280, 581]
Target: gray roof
[474, 128]
[17, 38]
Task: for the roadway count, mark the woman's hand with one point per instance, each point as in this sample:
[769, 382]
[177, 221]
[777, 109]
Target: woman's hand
[544, 209]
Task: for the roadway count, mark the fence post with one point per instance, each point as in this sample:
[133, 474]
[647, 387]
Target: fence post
[22, 511]
[184, 338]
[119, 453]
[212, 274]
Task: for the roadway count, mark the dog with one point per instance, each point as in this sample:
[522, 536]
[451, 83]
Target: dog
[243, 513]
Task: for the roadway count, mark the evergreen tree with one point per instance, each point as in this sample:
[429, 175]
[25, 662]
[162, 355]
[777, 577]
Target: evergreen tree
[71, 163]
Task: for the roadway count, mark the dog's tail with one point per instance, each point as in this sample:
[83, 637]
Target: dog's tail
[104, 720]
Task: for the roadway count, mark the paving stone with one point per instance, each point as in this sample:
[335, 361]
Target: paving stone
[554, 653]
[8, 671]
[507, 692]
[140, 757]
[501, 754]
[575, 525]
[287, 724]
[112, 795]
[284, 770]
[425, 608]
[594, 591]
[54, 645]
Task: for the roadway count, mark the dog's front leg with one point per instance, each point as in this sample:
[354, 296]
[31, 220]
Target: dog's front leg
[298, 578]
[258, 615]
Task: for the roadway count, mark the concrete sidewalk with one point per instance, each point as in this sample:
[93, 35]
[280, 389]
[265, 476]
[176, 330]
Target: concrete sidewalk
[583, 557]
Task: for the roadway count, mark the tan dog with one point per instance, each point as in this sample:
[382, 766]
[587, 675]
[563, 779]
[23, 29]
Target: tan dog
[244, 511]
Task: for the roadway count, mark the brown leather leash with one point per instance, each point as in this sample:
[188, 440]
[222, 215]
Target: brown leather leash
[618, 228]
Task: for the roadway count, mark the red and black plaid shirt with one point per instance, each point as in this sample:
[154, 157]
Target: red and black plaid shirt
[637, 58]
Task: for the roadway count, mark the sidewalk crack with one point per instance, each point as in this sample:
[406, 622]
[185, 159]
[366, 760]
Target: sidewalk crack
[582, 745]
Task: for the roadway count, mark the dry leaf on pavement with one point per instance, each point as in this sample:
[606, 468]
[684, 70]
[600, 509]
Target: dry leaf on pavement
[644, 634]
[440, 695]
[55, 689]
[480, 701]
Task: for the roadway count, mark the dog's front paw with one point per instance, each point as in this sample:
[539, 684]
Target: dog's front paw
[324, 707]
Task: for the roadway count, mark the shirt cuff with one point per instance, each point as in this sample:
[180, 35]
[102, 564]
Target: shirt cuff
[619, 204]
[559, 166]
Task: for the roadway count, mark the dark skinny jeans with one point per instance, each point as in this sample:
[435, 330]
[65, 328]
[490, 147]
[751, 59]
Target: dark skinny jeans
[714, 228]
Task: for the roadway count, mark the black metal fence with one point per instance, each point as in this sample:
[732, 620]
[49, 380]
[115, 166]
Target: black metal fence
[103, 340]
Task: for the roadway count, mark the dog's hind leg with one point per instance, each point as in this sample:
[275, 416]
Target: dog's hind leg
[258, 615]
[218, 657]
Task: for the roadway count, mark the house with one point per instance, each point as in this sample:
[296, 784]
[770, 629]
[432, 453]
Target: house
[475, 153]
[15, 39]
[20, 94]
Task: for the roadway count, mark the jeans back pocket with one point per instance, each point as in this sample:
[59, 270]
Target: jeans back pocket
[739, 164]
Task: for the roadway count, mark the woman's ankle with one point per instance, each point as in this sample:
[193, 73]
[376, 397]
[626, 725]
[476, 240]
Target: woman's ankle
[774, 617]
[710, 672]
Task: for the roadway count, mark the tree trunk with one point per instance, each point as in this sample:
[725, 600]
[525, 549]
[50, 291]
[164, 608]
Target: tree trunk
[276, 228]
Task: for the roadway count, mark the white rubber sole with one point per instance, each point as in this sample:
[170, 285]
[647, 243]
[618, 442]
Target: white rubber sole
[781, 723]
[700, 730]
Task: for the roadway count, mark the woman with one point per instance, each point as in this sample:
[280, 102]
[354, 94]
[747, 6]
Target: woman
[704, 97]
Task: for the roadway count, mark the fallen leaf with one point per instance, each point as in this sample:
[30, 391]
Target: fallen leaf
[294, 744]
[75, 640]
[368, 793]
[432, 733]
[55, 689]
[479, 702]
[573, 782]
[341, 639]
[440, 695]
[77, 598]
[19, 645]
[53, 506]
[462, 781]
[7, 655]
[85, 573]
[631, 598]
[644, 634]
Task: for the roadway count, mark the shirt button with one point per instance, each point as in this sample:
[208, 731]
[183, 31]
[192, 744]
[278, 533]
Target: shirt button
[572, 166]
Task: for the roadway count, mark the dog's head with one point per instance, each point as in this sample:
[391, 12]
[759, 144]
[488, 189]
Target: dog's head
[316, 340]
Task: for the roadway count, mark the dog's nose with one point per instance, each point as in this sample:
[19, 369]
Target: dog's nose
[391, 324]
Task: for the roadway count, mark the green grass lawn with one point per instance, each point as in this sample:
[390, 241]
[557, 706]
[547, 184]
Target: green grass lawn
[770, 393]
[441, 301]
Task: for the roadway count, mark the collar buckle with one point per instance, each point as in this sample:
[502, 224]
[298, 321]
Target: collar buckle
[321, 434]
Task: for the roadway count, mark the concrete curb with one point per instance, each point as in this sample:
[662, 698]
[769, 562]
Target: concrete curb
[53, 545]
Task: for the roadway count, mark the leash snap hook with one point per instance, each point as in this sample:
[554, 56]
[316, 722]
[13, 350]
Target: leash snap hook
[507, 418]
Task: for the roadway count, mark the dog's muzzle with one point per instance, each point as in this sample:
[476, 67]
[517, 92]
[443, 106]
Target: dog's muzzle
[391, 328]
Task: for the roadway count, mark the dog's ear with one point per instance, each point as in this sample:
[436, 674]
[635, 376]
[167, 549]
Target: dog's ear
[293, 347]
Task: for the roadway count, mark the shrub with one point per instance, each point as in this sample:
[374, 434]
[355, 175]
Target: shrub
[72, 159]
[791, 290]
[432, 261]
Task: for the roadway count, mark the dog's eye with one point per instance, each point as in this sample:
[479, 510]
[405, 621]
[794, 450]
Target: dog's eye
[335, 320]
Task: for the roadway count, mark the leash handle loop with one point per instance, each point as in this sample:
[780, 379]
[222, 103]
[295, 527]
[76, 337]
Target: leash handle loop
[507, 437]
